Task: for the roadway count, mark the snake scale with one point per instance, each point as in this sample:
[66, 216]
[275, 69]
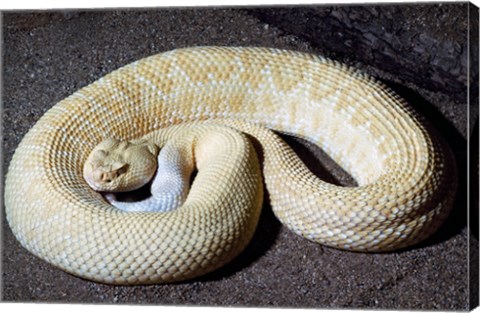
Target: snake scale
[404, 170]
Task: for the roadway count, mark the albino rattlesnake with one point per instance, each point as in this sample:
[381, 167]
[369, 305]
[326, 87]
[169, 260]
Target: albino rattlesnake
[405, 173]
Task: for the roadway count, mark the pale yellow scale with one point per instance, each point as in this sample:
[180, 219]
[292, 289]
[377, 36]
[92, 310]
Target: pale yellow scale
[405, 173]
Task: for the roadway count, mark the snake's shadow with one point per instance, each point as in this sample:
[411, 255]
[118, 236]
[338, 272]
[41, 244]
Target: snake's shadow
[458, 144]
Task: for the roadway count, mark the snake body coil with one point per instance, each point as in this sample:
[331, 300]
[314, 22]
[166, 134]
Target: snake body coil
[405, 173]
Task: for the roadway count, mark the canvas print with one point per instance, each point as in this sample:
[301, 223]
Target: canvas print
[310, 156]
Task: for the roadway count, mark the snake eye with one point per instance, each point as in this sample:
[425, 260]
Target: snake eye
[122, 170]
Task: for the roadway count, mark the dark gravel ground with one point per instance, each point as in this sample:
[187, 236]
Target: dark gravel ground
[47, 56]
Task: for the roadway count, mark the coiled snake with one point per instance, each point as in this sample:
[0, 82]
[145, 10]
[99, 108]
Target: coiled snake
[405, 173]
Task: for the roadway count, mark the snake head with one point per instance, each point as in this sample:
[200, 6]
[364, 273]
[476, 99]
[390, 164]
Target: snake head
[117, 166]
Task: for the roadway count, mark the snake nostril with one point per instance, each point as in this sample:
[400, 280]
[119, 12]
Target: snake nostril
[105, 178]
